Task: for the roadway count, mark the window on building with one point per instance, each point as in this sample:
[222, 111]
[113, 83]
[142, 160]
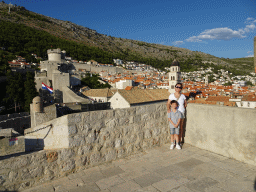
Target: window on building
[173, 77]
[172, 86]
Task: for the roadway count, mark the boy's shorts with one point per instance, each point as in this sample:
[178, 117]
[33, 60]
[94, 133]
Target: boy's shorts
[174, 131]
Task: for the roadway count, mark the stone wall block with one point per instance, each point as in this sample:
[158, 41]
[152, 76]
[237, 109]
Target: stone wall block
[140, 110]
[74, 118]
[99, 125]
[120, 152]
[109, 144]
[109, 114]
[129, 149]
[36, 172]
[66, 154]
[110, 155]
[40, 157]
[132, 139]
[72, 129]
[148, 134]
[124, 121]
[161, 107]
[81, 161]
[137, 119]
[22, 161]
[67, 165]
[24, 174]
[84, 128]
[110, 123]
[2, 179]
[118, 143]
[82, 150]
[119, 113]
[90, 138]
[131, 111]
[97, 147]
[125, 131]
[96, 115]
[137, 146]
[151, 108]
[76, 141]
[156, 132]
[145, 117]
[85, 117]
[12, 176]
[95, 158]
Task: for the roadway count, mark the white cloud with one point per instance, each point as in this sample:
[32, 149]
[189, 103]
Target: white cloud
[249, 18]
[249, 52]
[250, 55]
[178, 42]
[224, 33]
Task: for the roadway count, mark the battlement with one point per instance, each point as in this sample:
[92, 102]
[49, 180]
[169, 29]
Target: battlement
[56, 51]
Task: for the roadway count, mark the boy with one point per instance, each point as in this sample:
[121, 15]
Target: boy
[174, 118]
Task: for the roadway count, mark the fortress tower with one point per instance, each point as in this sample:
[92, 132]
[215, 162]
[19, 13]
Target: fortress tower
[54, 54]
[174, 75]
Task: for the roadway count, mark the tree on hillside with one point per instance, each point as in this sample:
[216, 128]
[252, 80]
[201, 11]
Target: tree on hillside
[92, 81]
[30, 90]
[15, 89]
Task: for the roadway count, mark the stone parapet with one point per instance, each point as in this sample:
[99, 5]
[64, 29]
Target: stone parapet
[80, 140]
[229, 131]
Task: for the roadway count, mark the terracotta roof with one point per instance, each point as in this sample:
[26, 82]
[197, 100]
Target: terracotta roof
[128, 87]
[99, 93]
[218, 98]
[134, 96]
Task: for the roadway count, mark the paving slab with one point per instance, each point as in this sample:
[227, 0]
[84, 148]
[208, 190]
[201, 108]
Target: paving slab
[109, 182]
[166, 185]
[201, 184]
[148, 179]
[111, 171]
[125, 187]
[86, 188]
[161, 169]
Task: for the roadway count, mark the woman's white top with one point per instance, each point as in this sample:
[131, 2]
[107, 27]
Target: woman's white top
[181, 101]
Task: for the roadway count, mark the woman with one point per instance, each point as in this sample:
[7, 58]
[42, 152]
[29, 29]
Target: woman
[182, 106]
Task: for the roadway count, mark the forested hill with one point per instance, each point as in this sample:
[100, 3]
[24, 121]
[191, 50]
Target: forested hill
[24, 32]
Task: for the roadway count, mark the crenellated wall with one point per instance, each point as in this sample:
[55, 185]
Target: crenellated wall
[80, 140]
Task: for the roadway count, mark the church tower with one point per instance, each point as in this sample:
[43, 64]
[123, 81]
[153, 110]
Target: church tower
[174, 75]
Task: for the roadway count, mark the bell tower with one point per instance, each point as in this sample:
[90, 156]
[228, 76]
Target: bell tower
[174, 75]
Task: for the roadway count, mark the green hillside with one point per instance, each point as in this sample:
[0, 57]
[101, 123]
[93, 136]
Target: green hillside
[24, 32]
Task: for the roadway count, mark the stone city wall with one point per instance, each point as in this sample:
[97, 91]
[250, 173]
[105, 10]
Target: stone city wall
[80, 140]
[18, 121]
[229, 131]
[86, 139]
[98, 69]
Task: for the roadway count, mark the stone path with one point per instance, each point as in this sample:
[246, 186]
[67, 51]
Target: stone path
[161, 169]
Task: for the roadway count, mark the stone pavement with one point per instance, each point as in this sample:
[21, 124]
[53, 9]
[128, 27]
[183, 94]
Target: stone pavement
[161, 169]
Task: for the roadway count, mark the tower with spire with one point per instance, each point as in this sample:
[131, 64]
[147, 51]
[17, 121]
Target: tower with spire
[174, 75]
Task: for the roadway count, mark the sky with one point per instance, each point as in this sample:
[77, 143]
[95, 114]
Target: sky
[223, 28]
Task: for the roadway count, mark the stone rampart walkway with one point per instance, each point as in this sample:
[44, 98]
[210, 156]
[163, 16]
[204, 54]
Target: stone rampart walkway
[161, 169]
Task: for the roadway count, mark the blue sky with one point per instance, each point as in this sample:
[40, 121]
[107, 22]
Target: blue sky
[223, 28]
